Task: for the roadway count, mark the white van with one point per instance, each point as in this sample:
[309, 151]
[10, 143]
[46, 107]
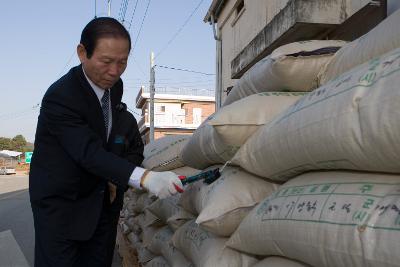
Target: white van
[7, 170]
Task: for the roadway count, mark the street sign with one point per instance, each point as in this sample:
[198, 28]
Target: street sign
[28, 156]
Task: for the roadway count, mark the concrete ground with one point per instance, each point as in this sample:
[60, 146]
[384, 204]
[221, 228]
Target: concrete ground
[17, 237]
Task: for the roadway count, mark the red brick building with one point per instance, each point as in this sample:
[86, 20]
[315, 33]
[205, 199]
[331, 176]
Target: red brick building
[176, 111]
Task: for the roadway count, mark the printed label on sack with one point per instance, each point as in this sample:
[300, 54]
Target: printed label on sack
[197, 236]
[370, 205]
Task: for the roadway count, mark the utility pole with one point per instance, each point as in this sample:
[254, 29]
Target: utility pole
[109, 8]
[152, 92]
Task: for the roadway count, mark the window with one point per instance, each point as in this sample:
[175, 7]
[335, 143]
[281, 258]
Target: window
[160, 109]
[239, 7]
[238, 10]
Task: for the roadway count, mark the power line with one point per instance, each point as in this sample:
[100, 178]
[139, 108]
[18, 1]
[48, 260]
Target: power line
[124, 9]
[15, 115]
[141, 25]
[120, 10]
[137, 64]
[185, 70]
[134, 10]
[95, 8]
[180, 29]
[68, 62]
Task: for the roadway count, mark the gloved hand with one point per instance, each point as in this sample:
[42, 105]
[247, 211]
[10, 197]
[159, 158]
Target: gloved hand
[162, 184]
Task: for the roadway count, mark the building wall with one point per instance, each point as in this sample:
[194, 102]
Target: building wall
[207, 108]
[177, 117]
[392, 6]
[237, 31]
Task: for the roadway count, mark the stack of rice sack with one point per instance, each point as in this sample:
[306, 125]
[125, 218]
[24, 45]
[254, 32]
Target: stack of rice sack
[191, 229]
[149, 222]
[268, 88]
[338, 153]
[219, 208]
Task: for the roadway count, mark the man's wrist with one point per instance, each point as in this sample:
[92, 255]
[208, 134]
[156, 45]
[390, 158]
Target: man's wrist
[144, 176]
[136, 177]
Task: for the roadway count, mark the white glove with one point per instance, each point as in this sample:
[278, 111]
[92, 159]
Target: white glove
[162, 184]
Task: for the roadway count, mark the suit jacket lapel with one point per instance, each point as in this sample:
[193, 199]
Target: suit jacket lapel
[95, 110]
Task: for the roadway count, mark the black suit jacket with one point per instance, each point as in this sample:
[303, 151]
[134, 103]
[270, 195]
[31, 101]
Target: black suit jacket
[71, 163]
[126, 142]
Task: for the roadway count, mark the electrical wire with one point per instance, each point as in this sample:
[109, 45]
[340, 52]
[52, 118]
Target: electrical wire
[141, 25]
[68, 62]
[22, 113]
[95, 8]
[134, 10]
[124, 11]
[180, 29]
[185, 70]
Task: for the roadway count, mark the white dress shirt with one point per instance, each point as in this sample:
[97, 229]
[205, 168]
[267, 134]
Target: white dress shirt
[134, 179]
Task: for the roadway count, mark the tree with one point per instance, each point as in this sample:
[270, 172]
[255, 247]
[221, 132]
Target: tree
[5, 143]
[18, 142]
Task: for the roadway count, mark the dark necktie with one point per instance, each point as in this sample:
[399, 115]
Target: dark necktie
[105, 103]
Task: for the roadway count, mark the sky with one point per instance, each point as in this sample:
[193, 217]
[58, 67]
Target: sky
[39, 38]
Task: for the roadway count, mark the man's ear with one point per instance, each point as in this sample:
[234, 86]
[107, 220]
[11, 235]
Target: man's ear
[81, 51]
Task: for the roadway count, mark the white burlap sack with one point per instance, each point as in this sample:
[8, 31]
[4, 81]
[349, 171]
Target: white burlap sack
[151, 219]
[328, 219]
[230, 198]
[206, 250]
[143, 201]
[350, 123]
[381, 39]
[161, 245]
[192, 198]
[144, 255]
[165, 208]
[138, 220]
[174, 257]
[124, 228]
[235, 123]
[179, 219]
[130, 207]
[186, 171]
[133, 225]
[133, 194]
[148, 233]
[160, 239]
[134, 240]
[206, 148]
[292, 67]
[157, 262]
[279, 262]
[164, 153]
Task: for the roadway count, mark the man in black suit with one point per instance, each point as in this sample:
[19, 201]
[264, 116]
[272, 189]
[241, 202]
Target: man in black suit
[73, 162]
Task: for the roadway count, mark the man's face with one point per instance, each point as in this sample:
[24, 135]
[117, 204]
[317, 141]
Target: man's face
[108, 61]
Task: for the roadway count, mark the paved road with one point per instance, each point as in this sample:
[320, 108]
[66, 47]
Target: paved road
[16, 215]
[16, 223]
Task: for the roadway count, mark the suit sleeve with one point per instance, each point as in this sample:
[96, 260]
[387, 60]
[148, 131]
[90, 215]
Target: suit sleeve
[66, 123]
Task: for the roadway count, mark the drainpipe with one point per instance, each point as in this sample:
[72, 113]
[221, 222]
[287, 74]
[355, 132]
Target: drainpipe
[218, 79]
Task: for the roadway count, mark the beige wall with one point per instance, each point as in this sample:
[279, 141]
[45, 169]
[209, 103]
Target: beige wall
[207, 108]
[236, 33]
